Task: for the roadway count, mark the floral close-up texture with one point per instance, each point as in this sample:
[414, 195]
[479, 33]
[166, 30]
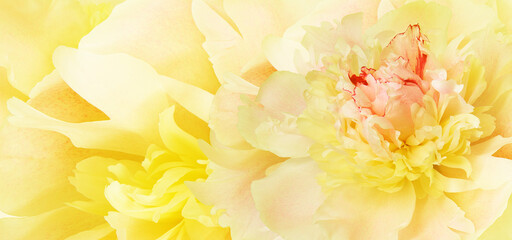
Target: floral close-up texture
[256, 119]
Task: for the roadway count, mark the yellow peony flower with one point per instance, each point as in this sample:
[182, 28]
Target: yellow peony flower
[104, 145]
[360, 119]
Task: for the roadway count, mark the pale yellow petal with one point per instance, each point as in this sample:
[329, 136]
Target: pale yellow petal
[355, 212]
[436, 218]
[431, 16]
[105, 135]
[57, 224]
[126, 89]
[483, 207]
[31, 30]
[160, 32]
[6, 92]
[100, 232]
[34, 169]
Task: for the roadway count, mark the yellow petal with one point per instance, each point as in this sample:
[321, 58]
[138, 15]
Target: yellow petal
[31, 30]
[100, 232]
[37, 163]
[162, 33]
[128, 228]
[6, 92]
[34, 169]
[105, 135]
[113, 83]
[53, 225]
[177, 140]
[288, 198]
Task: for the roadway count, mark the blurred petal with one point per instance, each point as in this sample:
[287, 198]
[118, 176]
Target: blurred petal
[57, 224]
[288, 198]
[35, 28]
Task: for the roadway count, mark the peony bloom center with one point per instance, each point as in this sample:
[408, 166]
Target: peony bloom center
[399, 119]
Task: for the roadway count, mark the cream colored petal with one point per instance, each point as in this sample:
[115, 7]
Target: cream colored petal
[224, 117]
[436, 218]
[332, 11]
[53, 225]
[31, 30]
[224, 45]
[488, 172]
[284, 92]
[355, 212]
[270, 123]
[237, 49]
[271, 131]
[288, 198]
[500, 229]
[230, 189]
[483, 207]
[468, 17]
[286, 55]
[126, 89]
[274, 16]
[162, 33]
[194, 99]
